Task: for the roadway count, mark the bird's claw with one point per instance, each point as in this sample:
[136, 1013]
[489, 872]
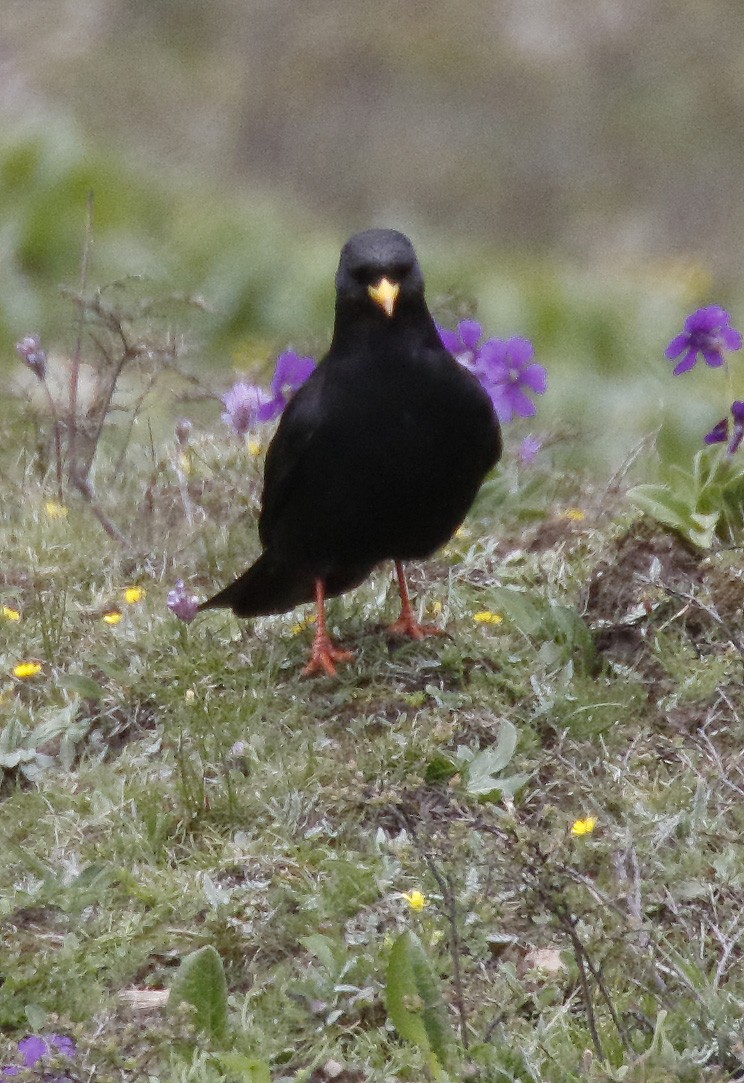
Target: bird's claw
[322, 657]
[407, 625]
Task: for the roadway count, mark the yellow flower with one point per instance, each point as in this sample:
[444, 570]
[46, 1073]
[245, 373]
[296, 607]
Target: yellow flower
[254, 447]
[301, 625]
[485, 616]
[435, 608]
[584, 827]
[415, 900]
[9, 613]
[575, 515]
[132, 595]
[24, 670]
[112, 617]
[55, 510]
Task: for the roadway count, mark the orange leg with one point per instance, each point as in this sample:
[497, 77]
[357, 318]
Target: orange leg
[406, 624]
[324, 652]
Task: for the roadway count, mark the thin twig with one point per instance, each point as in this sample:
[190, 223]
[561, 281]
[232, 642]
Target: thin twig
[450, 910]
[75, 366]
[83, 486]
[580, 956]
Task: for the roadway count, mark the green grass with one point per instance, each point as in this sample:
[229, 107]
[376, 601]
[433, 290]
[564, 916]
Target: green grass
[168, 787]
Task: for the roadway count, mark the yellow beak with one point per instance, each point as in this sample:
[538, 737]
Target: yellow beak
[385, 294]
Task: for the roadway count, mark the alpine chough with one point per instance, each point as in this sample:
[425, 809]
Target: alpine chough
[378, 456]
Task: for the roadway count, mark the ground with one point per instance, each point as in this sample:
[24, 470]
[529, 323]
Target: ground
[167, 787]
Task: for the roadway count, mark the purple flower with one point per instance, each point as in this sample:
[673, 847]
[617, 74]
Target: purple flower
[242, 404]
[182, 604]
[503, 367]
[462, 343]
[30, 351]
[506, 371]
[528, 449]
[290, 373]
[34, 1048]
[720, 432]
[707, 332]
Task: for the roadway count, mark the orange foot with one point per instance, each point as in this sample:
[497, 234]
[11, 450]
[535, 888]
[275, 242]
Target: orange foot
[407, 625]
[324, 653]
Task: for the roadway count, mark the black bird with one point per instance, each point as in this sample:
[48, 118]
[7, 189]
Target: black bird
[378, 456]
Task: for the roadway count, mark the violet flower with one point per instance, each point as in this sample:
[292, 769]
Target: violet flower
[528, 449]
[463, 343]
[507, 372]
[30, 351]
[34, 1048]
[290, 374]
[719, 434]
[503, 366]
[242, 404]
[707, 332]
[182, 604]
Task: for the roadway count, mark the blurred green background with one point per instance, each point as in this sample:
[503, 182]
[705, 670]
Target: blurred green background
[570, 171]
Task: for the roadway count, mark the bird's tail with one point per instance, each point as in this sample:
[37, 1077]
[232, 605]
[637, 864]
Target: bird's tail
[269, 586]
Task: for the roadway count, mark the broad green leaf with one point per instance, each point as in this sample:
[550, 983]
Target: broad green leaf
[322, 947]
[523, 613]
[414, 1001]
[82, 686]
[244, 1069]
[662, 504]
[200, 982]
[439, 768]
[498, 756]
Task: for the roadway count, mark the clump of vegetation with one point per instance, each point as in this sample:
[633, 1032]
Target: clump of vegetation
[513, 854]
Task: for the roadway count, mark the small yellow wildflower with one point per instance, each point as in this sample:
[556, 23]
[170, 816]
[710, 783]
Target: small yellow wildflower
[584, 827]
[415, 900]
[24, 670]
[9, 613]
[485, 616]
[132, 595]
[301, 625]
[254, 447]
[55, 510]
[113, 616]
[435, 608]
[574, 515]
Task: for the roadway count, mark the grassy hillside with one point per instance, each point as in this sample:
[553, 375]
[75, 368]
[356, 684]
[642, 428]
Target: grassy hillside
[169, 787]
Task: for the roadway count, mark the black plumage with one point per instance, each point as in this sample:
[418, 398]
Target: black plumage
[378, 456]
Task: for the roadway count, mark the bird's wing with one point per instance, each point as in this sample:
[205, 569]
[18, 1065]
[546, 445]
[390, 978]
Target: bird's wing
[286, 468]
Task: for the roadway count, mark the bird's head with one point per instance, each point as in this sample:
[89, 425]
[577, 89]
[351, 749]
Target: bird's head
[378, 270]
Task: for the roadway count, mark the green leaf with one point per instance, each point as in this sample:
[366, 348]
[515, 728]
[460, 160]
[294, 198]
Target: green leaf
[200, 982]
[439, 768]
[523, 613]
[244, 1069]
[661, 503]
[498, 756]
[485, 765]
[325, 951]
[82, 686]
[414, 1001]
